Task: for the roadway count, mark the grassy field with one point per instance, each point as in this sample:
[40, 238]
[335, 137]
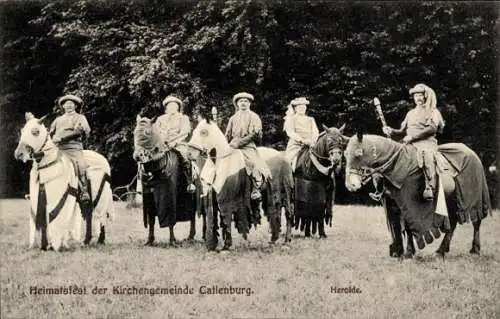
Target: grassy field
[283, 282]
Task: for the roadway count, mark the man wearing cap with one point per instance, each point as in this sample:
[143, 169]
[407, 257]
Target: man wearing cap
[175, 127]
[244, 130]
[420, 126]
[67, 132]
[301, 130]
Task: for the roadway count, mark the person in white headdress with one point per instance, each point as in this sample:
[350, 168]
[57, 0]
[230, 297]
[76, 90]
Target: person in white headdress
[175, 127]
[300, 129]
[420, 127]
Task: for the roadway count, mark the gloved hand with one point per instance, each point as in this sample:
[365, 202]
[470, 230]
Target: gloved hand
[387, 130]
[407, 139]
[235, 143]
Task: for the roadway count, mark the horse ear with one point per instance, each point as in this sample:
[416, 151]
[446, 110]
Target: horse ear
[138, 118]
[359, 134]
[29, 116]
[345, 139]
[342, 128]
[324, 127]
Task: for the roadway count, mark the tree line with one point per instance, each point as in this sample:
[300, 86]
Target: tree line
[122, 56]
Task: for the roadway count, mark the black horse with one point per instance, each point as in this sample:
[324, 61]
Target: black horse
[314, 180]
[164, 185]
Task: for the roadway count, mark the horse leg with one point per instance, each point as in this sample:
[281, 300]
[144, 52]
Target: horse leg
[88, 227]
[192, 227]
[151, 229]
[102, 236]
[32, 234]
[288, 234]
[321, 227]
[44, 242]
[226, 235]
[476, 244]
[445, 244]
[173, 240]
[204, 227]
[410, 246]
[308, 227]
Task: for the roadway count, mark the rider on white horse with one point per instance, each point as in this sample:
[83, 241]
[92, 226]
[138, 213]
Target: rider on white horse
[67, 132]
[421, 125]
[243, 130]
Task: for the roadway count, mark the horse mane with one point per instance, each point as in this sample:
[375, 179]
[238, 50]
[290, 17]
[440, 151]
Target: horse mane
[147, 135]
[321, 146]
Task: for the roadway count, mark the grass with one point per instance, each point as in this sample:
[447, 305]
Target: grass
[285, 282]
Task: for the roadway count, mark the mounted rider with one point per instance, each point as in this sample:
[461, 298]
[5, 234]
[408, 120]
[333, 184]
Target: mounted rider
[420, 126]
[67, 132]
[244, 131]
[300, 129]
[174, 127]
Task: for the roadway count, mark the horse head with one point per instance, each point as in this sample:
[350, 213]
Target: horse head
[205, 137]
[363, 154]
[331, 143]
[148, 145]
[34, 137]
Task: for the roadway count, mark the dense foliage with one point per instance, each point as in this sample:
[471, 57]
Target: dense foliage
[122, 56]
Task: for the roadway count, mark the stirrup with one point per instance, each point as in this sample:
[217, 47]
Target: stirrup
[256, 195]
[428, 193]
[191, 188]
[85, 197]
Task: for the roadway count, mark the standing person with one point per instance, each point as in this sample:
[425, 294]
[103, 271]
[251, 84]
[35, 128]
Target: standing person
[420, 126]
[175, 127]
[244, 131]
[300, 129]
[67, 133]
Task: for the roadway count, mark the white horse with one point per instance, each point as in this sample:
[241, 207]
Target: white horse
[231, 184]
[55, 211]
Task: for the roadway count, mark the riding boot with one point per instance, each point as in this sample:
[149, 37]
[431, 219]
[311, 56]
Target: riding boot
[430, 177]
[187, 168]
[85, 200]
[257, 183]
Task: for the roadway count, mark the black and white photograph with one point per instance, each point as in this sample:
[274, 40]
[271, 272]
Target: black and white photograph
[249, 159]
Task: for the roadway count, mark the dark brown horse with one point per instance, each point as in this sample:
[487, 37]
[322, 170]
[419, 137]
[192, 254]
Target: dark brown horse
[314, 181]
[164, 185]
[462, 180]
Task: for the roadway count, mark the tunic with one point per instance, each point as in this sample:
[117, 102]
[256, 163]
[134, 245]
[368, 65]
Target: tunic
[73, 148]
[243, 128]
[173, 128]
[299, 128]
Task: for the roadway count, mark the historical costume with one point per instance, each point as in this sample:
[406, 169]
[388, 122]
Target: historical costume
[300, 129]
[174, 128]
[244, 131]
[420, 126]
[67, 132]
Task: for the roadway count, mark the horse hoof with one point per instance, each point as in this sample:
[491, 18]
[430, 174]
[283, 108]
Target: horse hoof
[149, 243]
[323, 236]
[285, 247]
[408, 255]
[474, 252]
[440, 254]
